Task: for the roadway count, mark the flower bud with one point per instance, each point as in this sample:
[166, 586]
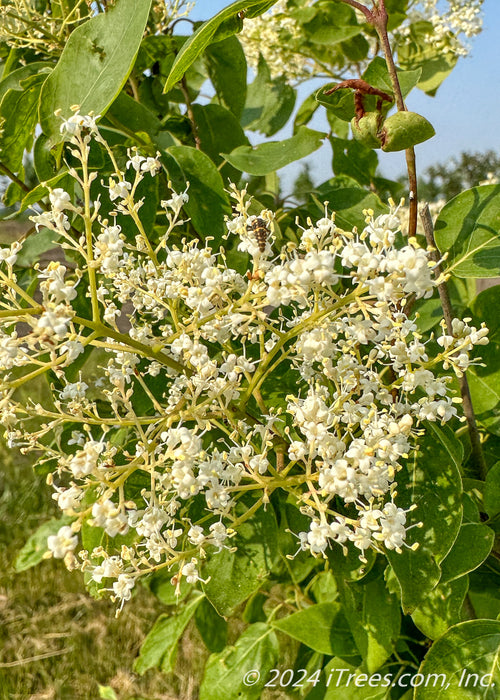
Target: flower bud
[404, 130]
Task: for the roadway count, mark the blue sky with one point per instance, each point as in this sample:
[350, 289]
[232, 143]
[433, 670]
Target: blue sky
[465, 111]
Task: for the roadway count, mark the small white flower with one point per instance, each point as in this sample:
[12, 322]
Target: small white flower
[59, 199]
[64, 542]
[118, 189]
[122, 588]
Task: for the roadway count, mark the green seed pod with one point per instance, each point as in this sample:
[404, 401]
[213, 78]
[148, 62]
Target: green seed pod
[404, 130]
[365, 129]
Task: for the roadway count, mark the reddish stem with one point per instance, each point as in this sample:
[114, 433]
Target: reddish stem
[378, 19]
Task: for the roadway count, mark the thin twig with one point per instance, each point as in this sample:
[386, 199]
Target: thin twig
[378, 18]
[190, 113]
[358, 6]
[381, 27]
[6, 171]
[475, 438]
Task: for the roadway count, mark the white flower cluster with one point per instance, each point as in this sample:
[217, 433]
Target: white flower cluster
[279, 39]
[460, 17]
[275, 36]
[215, 386]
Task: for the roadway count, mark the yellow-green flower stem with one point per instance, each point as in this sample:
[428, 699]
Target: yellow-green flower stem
[15, 313]
[67, 17]
[219, 314]
[88, 236]
[262, 370]
[13, 285]
[147, 391]
[83, 418]
[49, 365]
[135, 217]
[129, 204]
[145, 350]
[36, 25]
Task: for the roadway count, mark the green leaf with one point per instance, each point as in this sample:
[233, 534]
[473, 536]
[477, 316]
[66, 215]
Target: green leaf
[40, 191]
[254, 608]
[374, 617]
[13, 193]
[468, 229]
[305, 112]
[334, 35]
[430, 312]
[227, 69]
[211, 626]
[338, 126]
[474, 488]
[492, 491]
[269, 102]
[36, 546]
[484, 592]
[348, 567]
[484, 384]
[161, 585]
[205, 35]
[15, 80]
[396, 9]
[134, 116]
[159, 648]
[107, 693]
[340, 102]
[324, 587]
[18, 114]
[45, 161]
[471, 511]
[98, 56]
[378, 76]
[292, 520]
[256, 649]
[271, 156]
[467, 648]
[321, 627]
[441, 608]
[329, 24]
[432, 481]
[208, 202]
[349, 203]
[354, 159]
[450, 442]
[35, 245]
[470, 549]
[485, 308]
[419, 51]
[356, 49]
[234, 576]
[219, 130]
